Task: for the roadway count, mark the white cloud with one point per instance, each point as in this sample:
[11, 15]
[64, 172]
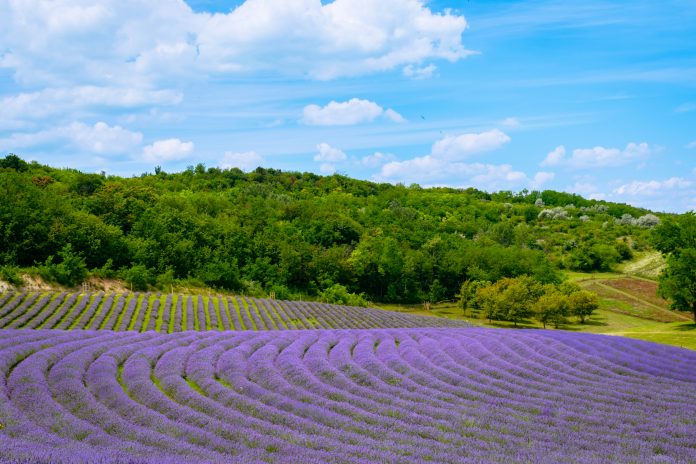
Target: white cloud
[327, 168]
[583, 188]
[353, 111]
[652, 187]
[246, 161]
[554, 157]
[419, 72]
[541, 178]
[377, 159]
[167, 150]
[99, 138]
[604, 157]
[115, 41]
[691, 145]
[327, 153]
[52, 101]
[432, 170]
[393, 115]
[596, 157]
[444, 164]
[511, 123]
[457, 147]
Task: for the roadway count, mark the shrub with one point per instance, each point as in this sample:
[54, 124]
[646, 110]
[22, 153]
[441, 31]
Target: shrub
[70, 270]
[338, 294]
[11, 275]
[138, 276]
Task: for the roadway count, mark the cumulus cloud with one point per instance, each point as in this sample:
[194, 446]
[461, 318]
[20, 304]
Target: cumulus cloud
[433, 170]
[554, 157]
[164, 37]
[596, 157]
[541, 178]
[456, 147]
[445, 164]
[246, 161]
[353, 111]
[327, 153]
[167, 150]
[98, 139]
[652, 187]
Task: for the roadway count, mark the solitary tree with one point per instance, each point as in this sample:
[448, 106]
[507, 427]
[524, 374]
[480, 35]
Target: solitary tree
[582, 304]
[676, 239]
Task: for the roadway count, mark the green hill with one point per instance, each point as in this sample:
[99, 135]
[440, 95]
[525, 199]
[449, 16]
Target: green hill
[298, 235]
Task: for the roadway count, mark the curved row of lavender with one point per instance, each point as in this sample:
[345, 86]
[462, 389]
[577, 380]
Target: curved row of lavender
[439, 395]
[141, 312]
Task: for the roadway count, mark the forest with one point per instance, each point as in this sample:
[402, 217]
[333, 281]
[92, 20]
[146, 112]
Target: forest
[300, 235]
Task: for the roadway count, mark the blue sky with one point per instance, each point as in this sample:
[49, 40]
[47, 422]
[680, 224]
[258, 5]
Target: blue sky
[596, 97]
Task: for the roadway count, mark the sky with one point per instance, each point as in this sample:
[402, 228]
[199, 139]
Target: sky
[596, 97]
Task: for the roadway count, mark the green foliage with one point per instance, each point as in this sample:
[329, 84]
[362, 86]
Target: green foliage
[220, 274]
[70, 269]
[516, 299]
[676, 238]
[338, 294]
[467, 293]
[11, 275]
[138, 277]
[582, 304]
[12, 161]
[593, 257]
[552, 308]
[510, 299]
[298, 233]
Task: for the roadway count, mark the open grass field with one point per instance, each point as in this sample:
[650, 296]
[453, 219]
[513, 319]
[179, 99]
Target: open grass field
[629, 307]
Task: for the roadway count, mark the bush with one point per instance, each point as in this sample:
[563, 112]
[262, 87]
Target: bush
[597, 257]
[338, 294]
[138, 277]
[70, 271]
[11, 275]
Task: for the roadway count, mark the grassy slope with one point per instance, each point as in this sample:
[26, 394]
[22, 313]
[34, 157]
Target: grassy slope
[628, 307]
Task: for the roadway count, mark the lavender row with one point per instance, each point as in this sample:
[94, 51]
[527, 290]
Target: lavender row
[344, 396]
[140, 312]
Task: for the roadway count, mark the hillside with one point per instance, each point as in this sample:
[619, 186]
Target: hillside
[292, 234]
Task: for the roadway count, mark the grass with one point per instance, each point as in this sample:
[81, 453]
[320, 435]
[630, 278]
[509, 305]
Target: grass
[628, 308]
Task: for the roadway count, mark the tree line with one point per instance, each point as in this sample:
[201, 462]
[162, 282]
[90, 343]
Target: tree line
[298, 235]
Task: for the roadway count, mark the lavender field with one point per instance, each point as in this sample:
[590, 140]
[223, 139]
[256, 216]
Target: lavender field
[341, 396]
[141, 312]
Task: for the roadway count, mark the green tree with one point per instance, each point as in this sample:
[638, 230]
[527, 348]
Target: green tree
[582, 304]
[510, 299]
[552, 308]
[467, 293]
[676, 239]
